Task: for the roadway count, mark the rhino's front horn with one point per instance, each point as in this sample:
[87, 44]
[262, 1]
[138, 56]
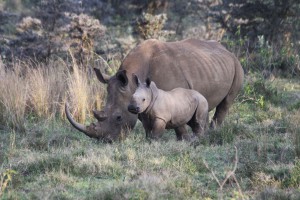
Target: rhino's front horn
[89, 132]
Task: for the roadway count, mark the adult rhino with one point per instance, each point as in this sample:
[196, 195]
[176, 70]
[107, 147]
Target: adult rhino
[205, 66]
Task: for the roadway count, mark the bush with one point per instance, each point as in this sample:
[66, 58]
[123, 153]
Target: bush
[260, 92]
[294, 179]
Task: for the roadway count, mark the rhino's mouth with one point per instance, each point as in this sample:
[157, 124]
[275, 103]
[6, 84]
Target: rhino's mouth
[133, 109]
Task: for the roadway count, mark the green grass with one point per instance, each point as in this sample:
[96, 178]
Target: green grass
[54, 161]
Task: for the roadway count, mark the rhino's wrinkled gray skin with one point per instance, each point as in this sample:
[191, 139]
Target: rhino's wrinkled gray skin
[159, 110]
[204, 66]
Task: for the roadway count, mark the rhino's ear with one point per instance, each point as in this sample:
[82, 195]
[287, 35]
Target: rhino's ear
[136, 80]
[103, 78]
[148, 82]
[122, 77]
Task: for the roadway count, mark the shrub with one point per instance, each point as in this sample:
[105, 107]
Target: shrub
[150, 26]
[260, 92]
[5, 179]
[294, 180]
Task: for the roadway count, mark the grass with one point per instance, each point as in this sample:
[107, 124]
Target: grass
[14, 92]
[43, 157]
[33, 91]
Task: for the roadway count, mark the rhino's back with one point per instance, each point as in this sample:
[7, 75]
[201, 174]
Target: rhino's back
[205, 66]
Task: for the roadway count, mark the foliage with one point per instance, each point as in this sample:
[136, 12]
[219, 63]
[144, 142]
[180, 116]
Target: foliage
[260, 92]
[152, 21]
[271, 193]
[5, 179]
[279, 60]
[150, 26]
[54, 28]
[294, 179]
[273, 19]
[263, 34]
[295, 174]
[262, 56]
[262, 180]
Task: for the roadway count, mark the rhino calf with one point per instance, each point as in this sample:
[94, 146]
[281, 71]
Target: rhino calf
[159, 110]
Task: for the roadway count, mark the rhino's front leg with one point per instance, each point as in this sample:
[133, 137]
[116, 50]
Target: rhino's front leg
[158, 128]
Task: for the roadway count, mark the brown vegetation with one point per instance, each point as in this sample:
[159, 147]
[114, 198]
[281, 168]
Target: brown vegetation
[34, 92]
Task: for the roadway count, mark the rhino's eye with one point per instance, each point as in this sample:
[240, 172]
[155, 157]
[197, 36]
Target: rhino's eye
[144, 99]
[119, 118]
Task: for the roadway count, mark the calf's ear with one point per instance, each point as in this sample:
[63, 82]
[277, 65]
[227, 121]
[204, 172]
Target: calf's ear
[136, 80]
[148, 82]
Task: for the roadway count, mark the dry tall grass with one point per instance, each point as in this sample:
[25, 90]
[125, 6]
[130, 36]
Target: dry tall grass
[83, 92]
[78, 91]
[13, 96]
[46, 90]
[36, 91]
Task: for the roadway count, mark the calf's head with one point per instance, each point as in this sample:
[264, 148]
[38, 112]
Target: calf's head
[114, 119]
[142, 96]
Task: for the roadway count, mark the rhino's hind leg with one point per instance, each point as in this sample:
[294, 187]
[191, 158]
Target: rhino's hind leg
[182, 133]
[220, 113]
[223, 107]
[222, 110]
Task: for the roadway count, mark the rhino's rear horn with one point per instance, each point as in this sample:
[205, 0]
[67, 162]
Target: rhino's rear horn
[100, 115]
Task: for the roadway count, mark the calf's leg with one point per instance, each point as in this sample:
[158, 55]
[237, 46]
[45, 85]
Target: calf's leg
[147, 127]
[182, 133]
[158, 128]
[199, 122]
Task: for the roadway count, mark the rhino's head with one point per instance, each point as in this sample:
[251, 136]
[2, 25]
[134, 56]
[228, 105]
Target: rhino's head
[141, 98]
[115, 118]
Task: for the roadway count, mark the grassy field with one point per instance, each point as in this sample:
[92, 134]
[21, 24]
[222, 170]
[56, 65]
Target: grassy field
[254, 155]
